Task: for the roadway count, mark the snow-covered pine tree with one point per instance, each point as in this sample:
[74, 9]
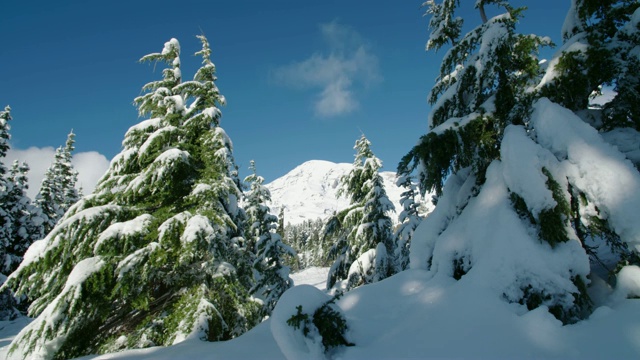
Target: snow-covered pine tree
[69, 176]
[58, 188]
[7, 301]
[26, 226]
[271, 273]
[363, 240]
[148, 258]
[280, 229]
[21, 222]
[6, 222]
[48, 200]
[409, 221]
[5, 117]
[601, 49]
[507, 165]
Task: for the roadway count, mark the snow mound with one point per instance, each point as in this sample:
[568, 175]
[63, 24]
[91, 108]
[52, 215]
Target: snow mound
[292, 342]
[628, 284]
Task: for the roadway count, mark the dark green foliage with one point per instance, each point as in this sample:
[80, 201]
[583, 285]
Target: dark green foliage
[461, 266]
[472, 103]
[573, 88]
[474, 144]
[551, 223]
[597, 233]
[443, 13]
[521, 208]
[437, 150]
[300, 320]
[582, 304]
[329, 322]
[331, 325]
[607, 61]
[83, 334]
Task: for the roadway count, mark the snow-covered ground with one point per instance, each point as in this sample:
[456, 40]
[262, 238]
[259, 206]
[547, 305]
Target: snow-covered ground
[315, 276]
[8, 330]
[412, 315]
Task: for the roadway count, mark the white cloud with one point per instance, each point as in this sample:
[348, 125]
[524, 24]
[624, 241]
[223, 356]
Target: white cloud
[90, 166]
[348, 65]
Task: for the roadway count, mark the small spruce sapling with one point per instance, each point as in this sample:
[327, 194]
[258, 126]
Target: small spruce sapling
[327, 319]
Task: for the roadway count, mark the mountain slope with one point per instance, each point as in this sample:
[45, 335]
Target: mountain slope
[310, 191]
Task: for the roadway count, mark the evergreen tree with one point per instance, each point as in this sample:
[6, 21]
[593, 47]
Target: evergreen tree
[49, 201]
[600, 49]
[26, 224]
[409, 221]
[5, 117]
[280, 229]
[58, 189]
[21, 222]
[272, 275]
[495, 146]
[69, 176]
[363, 226]
[148, 258]
[7, 301]
[6, 222]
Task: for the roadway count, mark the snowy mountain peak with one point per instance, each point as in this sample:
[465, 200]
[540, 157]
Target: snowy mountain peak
[310, 191]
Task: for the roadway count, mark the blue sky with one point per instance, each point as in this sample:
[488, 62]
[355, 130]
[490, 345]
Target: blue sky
[302, 79]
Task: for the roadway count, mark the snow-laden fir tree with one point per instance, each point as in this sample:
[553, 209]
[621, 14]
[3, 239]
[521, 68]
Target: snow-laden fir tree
[5, 185]
[58, 188]
[148, 258]
[363, 245]
[7, 301]
[409, 221]
[21, 221]
[26, 220]
[271, 273]
[509, 167]
[69, 176]
[601, 49]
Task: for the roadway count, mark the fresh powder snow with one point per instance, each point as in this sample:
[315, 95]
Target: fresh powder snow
[414, 315]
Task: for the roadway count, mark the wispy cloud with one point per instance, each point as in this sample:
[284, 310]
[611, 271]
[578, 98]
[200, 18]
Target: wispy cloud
[338, 73]
[90, 166]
